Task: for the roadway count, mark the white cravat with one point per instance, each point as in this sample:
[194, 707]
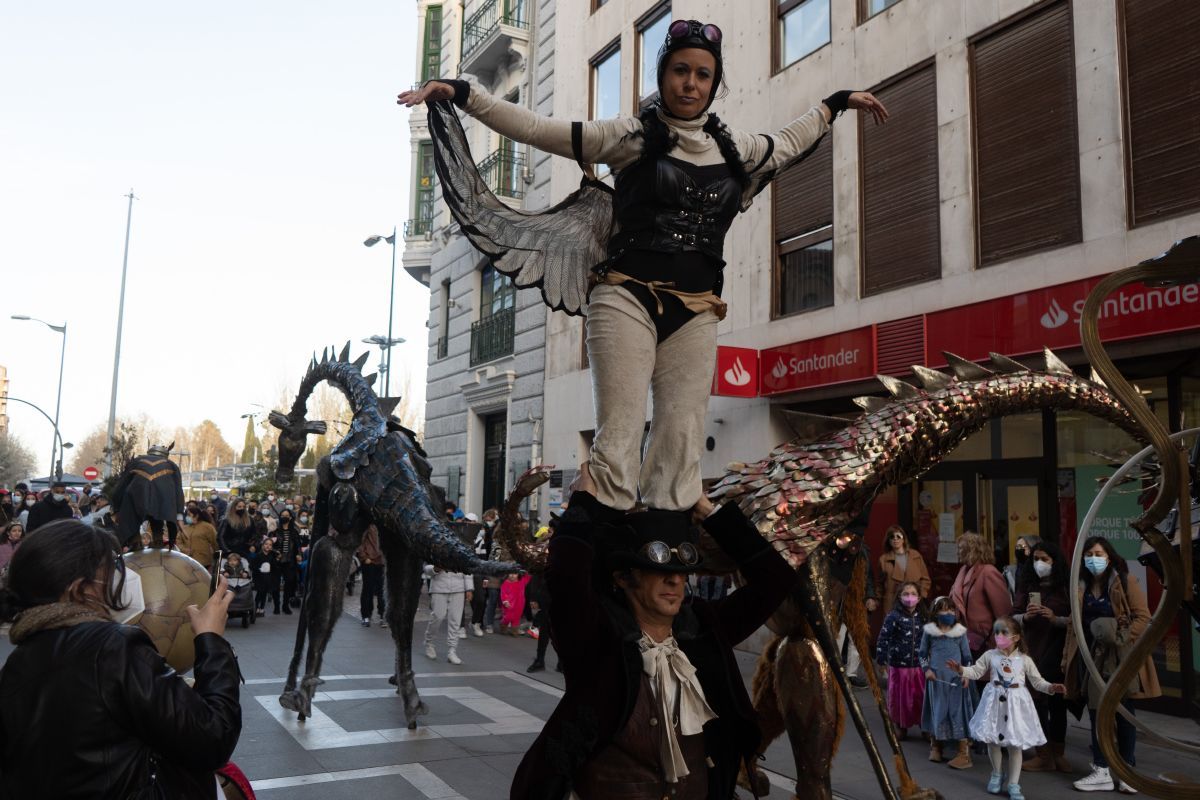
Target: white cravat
[670, 672]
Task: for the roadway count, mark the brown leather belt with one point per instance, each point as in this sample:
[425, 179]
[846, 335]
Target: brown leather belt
[692, 301]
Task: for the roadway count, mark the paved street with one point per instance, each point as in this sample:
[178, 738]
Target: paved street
[482, 717]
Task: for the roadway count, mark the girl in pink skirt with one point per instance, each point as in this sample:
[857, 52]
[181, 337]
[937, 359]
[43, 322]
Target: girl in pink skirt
[512, 600]
[898, 649]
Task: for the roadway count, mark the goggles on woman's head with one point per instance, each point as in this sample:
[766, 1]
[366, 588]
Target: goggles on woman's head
[688, 28]
[661, 552]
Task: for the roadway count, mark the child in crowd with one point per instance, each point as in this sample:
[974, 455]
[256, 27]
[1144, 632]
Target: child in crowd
[512, 599]
[234, 568]
[897, 648]
[1006, 716]
[949, 705]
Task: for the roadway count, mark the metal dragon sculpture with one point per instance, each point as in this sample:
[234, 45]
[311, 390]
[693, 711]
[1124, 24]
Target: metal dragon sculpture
[377, 473]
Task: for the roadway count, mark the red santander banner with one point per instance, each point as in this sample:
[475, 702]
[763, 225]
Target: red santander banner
[1024, 323]
[838, 358]
[737, 372]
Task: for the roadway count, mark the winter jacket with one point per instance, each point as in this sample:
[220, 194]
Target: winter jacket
[891, 577]
[981, 597]
[235, 539]
[199, 541]
[7, 551]
[83, 708]
[939, 646]
[1132, 616]
[1046, 638]
[899, 640]
[48, 510]
[368, 551]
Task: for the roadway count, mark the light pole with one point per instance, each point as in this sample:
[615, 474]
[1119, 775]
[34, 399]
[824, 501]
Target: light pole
[57, 436]
[112, 401]
[61, 358]
[385, 344]
[371, 241]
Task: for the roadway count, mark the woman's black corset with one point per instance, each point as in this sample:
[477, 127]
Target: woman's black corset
[671, 206]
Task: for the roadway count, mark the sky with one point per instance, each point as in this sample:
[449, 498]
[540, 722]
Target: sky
[263, 143]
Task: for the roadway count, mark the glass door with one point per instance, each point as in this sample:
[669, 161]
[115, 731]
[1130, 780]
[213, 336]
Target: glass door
[1009, 508]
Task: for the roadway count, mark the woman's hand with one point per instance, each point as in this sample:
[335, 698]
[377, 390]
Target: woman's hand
[211, 618]
[583, 481]
[930, 675]
[1058, 688]
[867, 102]
[432, 90]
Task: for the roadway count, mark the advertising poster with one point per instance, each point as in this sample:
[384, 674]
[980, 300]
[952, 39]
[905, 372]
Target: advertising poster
[1112, 521]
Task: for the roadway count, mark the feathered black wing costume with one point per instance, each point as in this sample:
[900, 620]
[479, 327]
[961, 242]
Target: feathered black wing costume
[554, 250]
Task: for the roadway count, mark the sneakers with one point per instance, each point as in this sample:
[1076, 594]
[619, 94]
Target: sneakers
[462, 633]
[453, 658]
[1125, 788]
[1098, 781]
[857, 682]
[488, 629]
[1014, 792]
[430, 652]
[366, 623]
[993, 784]
[477, 629]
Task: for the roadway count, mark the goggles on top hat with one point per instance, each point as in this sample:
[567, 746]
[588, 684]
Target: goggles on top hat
[660, 553]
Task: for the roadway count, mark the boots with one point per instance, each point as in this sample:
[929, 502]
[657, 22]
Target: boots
[935, 751]
[1060, 761]
[1042, 762]
[963, 759]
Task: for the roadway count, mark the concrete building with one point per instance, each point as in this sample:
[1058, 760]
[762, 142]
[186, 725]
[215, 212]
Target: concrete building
[3, 400]
[483, 417]
[1034, 146]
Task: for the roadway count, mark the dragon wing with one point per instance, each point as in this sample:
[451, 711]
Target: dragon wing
[554, 250]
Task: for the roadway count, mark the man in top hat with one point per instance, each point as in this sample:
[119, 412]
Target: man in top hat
[654, 705]
[150, 489]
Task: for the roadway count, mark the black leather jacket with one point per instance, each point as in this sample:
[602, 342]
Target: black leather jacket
[82, 708]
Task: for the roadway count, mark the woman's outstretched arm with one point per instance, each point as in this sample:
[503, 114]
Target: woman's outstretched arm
[604, 141]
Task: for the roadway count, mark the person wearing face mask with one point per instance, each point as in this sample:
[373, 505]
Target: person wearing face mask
[270, 522]
[897, 649]
[219, 506]
[28, 501]
[1044, 610]
[1023, 566]
[682, 176]
[9, 540]
[198, 538]
[7, 512]
[287, 543]
[238, 533]
[1115, 614]
[51, 507]
[137, 728]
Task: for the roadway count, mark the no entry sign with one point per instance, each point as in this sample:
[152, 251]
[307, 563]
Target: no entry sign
[91, 473]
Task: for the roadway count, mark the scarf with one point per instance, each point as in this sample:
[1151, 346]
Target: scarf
[672, 674]
[52, 616]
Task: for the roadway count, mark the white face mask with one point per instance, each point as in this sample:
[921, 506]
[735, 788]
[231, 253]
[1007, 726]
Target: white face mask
[58, 498]
[1042, 568]
[29, 501]
[131, 597]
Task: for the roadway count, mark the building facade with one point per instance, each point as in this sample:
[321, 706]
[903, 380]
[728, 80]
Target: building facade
[3, 400]
[1034, 146]
[483, 415]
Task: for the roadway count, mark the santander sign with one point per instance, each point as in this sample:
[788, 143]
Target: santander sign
[838, 358]
[736, 374]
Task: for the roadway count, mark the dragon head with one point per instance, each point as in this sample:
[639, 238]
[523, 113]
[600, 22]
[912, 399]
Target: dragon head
[293, 440]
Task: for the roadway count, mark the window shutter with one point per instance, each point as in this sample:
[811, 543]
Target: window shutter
[803, 194]
[1162, 90]
[901, 233]
[1026, 139]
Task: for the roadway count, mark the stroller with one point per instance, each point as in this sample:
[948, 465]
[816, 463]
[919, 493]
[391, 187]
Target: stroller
[242, 604]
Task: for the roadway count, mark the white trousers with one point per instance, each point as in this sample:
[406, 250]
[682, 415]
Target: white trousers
[448, 608]
[627, 364]
[853, 662]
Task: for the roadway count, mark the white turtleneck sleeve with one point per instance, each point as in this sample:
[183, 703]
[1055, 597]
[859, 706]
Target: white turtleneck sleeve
[763, 153]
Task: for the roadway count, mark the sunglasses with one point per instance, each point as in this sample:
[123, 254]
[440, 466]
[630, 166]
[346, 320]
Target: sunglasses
[661, 552]
[684, 28]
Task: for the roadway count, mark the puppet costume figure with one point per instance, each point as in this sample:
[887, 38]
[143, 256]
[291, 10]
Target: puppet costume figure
[643, 260]
[150, 489]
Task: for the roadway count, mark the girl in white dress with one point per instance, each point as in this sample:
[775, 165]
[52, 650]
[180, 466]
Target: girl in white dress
[1006, 716]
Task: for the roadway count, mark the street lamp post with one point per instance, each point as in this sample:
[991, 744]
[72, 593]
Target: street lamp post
[61, 445]
[385, 344]
[371, 241]
[58, 403]
[112, 401]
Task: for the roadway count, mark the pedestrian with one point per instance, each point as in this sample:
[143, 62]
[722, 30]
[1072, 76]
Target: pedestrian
[489, 548]
[88, 708]
[898, 649]
[264, 569]
[198, 538]
[1115, 614]
[979, 593]
[448, 593]
[850, 548]
[1045, 614]
[287, 544]
[900, 562]
[370, 559]
[949, 704]
[238, 531]
[100, 513]
[7, 511]
[1006, 718]
[219, 506]
[304, 524]
[13, 533]
[50, 508]
[268, 521]
[653, 313]
[1013, 572]
[512, 603]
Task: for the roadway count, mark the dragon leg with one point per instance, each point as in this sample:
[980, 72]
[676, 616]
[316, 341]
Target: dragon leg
[766, 708]
[807, 692]
[404, 595]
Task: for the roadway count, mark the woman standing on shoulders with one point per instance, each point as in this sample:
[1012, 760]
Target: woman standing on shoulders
[900, 564]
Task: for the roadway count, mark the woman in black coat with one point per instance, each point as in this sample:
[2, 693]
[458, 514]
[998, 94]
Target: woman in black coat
[88, 708]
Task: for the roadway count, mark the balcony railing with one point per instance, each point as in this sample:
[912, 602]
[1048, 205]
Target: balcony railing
[492, 337]
[443, 346]
[417, 227]
[487, 20]
[501, 171]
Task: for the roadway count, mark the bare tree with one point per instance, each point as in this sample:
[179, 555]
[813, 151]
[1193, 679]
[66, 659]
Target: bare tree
[16, 460]
[208, 447]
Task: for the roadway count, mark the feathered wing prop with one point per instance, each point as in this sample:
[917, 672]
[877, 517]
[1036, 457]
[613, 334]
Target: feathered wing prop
[554, 250]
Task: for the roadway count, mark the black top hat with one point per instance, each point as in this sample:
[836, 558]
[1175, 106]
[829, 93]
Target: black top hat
[656, 540]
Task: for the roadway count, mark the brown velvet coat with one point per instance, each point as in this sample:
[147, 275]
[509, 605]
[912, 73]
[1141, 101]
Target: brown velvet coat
[891, 577]
[1130, 607]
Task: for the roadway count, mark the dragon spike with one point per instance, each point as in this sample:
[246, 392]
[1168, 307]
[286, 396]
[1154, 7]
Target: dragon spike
[325, 355]
[345, 354]
[931, 379]
[370, 379]
[898, 388]
[1054, 364]
[1095, 378]
[870, 404]
[966, 370]
[805, 425]
[1006, 364]
[387, 405]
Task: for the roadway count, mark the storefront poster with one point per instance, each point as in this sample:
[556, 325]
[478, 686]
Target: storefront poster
[1112, 520]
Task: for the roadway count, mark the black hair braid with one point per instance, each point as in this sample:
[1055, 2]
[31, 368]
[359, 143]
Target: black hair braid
[719, 131]
[657, 137]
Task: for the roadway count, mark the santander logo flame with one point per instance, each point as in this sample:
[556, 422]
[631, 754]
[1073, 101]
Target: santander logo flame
[1055, 317]
[780, 370]
[737, 374]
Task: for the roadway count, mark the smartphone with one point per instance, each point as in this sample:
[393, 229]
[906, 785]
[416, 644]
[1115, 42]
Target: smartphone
[1035, 598]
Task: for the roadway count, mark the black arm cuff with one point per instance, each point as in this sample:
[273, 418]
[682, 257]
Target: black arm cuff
[735, 534]
[837, 102]
[462, 91]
